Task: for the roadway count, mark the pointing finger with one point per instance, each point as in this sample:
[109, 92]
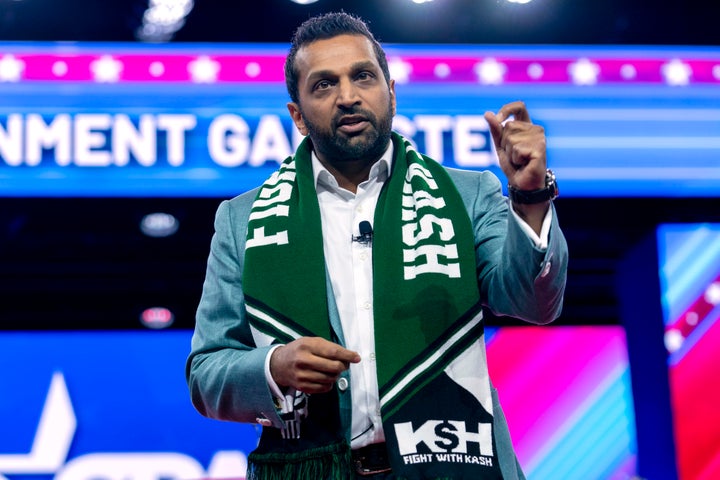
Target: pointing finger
[344, 355]
[332, 351]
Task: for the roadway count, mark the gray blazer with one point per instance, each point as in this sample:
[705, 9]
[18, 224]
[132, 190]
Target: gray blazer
[225, 371]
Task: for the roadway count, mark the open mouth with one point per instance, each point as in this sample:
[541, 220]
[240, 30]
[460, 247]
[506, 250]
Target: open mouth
[352, 123]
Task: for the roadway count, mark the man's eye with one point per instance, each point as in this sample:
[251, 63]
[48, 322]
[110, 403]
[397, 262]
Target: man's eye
[364, 75]
[322, 85]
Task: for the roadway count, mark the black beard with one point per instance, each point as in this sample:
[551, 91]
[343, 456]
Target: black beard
[335, 147]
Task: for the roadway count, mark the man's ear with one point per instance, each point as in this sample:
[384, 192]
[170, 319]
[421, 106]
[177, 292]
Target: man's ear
[297, 117]
[393, 98]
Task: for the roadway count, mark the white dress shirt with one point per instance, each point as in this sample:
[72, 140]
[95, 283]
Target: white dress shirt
[349, 264]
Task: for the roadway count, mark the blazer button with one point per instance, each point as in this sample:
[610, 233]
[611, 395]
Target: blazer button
[342, 384]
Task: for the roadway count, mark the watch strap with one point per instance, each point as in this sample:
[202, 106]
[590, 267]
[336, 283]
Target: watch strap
[528, 197]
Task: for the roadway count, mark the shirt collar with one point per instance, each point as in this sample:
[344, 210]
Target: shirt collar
[380, 169]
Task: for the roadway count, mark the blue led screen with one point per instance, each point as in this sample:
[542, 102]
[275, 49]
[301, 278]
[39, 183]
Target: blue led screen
[134, 120]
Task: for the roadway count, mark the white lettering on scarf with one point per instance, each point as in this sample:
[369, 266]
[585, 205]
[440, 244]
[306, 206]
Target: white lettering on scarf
[272, 202]
[444, 436]
[426, 258]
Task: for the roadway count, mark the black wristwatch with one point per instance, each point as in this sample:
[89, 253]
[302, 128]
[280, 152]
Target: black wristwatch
[528, 197]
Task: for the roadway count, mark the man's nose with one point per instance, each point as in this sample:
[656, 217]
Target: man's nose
[347, 94]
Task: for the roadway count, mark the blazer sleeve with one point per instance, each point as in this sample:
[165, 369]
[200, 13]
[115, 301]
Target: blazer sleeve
[515, 277]
[224, 370]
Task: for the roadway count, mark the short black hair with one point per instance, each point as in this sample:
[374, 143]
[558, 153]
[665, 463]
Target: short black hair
[326, 26]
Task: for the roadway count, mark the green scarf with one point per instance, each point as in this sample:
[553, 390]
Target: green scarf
[432, 374]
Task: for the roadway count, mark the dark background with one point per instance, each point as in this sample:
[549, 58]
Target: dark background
[644, 22]
[70, 263]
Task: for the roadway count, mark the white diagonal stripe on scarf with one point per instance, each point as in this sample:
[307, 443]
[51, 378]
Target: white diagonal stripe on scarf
[260, 315]
[428, 363]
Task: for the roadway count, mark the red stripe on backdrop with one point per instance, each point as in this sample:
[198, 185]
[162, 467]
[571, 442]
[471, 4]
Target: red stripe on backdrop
[544, 374]
[695, 392]
[711, 471]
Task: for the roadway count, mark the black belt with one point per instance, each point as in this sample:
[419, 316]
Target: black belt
[371, 459]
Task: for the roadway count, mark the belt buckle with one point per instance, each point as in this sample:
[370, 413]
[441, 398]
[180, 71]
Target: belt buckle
[365, 472]
[371, 460]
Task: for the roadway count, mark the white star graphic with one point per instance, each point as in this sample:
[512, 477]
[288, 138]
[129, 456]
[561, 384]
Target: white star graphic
[676, 72]
[59, 68]
[11, 68]
[204, 70]
[442, 70]
[628, 71]
[156, 69]
[712, 294]
[673, 340]
[399, 70]
[535, 71]
[490, 71]
[584, 72]
[106, 69]
[253, 69]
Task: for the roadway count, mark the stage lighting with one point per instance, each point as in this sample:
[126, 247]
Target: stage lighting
[519, 1]
[304, 2]
[157, 318]
[159, 225]
[162, 19]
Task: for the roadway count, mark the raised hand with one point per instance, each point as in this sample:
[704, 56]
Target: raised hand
[520, 146]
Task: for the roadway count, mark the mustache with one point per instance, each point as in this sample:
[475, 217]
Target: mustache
[354, 111]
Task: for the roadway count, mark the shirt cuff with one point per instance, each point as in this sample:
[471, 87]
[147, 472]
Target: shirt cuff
[277, 394]
[540, 241]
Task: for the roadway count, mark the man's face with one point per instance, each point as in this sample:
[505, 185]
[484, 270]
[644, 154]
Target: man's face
[345, 104]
